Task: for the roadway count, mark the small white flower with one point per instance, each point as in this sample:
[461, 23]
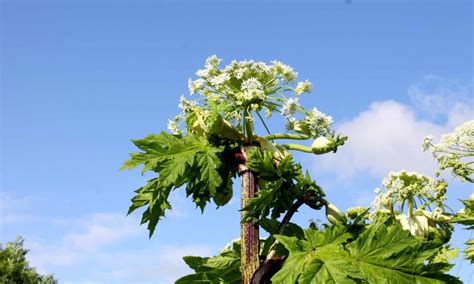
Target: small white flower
[195, 86]
[426, 142]
[239, 73]
[173, 127]
[220, 79]
[203, 73]
[186, 105]
[290, 107]
[212, 61]
[377, 190]
[284, 71]
[318, 122]
[268, 113]
[251, 84]
[303, 87]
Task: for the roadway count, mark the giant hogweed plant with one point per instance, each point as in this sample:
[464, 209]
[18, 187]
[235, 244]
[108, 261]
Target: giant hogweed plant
[213, 140]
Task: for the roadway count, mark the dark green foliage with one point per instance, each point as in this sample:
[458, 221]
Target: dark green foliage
[177, 160]
[14, 268]
[280, 185]
[382, 252]
[224, 268]
[466, 217]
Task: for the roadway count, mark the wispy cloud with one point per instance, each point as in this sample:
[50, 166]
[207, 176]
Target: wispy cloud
[13, 209]
[437, 96]
[102, 245]
[387, 136]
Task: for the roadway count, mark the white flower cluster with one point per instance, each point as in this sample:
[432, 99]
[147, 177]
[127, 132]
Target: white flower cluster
[461, 138]
[252, 91]
[303, 87]
[185, 105]
[285, 71]
[289, 108]
[318, 122]
[417, 192]
[455, 151]
[173, 127]
[315, 123]
[403, 186]
[256, 79]
[248, 85]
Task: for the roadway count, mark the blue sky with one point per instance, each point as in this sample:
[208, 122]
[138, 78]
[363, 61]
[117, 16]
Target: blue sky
[79, 79]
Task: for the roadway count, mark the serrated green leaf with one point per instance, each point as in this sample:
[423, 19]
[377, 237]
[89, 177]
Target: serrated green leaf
[209, 162]
[389, 253]
[272, 226]
[224, 268]
[194, 262]
[177, 160]
[317, 259]
[383, 253]
[469, 251]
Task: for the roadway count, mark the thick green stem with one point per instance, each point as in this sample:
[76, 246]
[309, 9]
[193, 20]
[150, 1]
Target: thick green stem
[248, 124]
[286, 136]
[249, 235]
[298, 147]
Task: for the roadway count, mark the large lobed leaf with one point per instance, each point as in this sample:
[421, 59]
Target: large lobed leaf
[383, 253]
[319, 258]
[177, 161]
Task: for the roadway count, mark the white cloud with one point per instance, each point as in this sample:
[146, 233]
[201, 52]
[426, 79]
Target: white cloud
[101, 245]
[387, 137]
[85, 236]
[102, 230]
[159, 264]
[437, 96]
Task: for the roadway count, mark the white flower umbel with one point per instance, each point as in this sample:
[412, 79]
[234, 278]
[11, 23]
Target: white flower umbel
[241, 89]
[195, 86]
[455, 151]
[408, 196]
[303, 87]
[212, 62]
[318, 122]
[173, 126]
[284, 71]
[290, 107]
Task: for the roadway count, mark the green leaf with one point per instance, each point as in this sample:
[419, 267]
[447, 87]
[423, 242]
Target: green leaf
[209, 163]
[383, 253]
[224, 268]
[280, 184]
[469, 251]
[177, 160]
[272, 226]
[155, 195]
[387, 252]
[318, 259]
